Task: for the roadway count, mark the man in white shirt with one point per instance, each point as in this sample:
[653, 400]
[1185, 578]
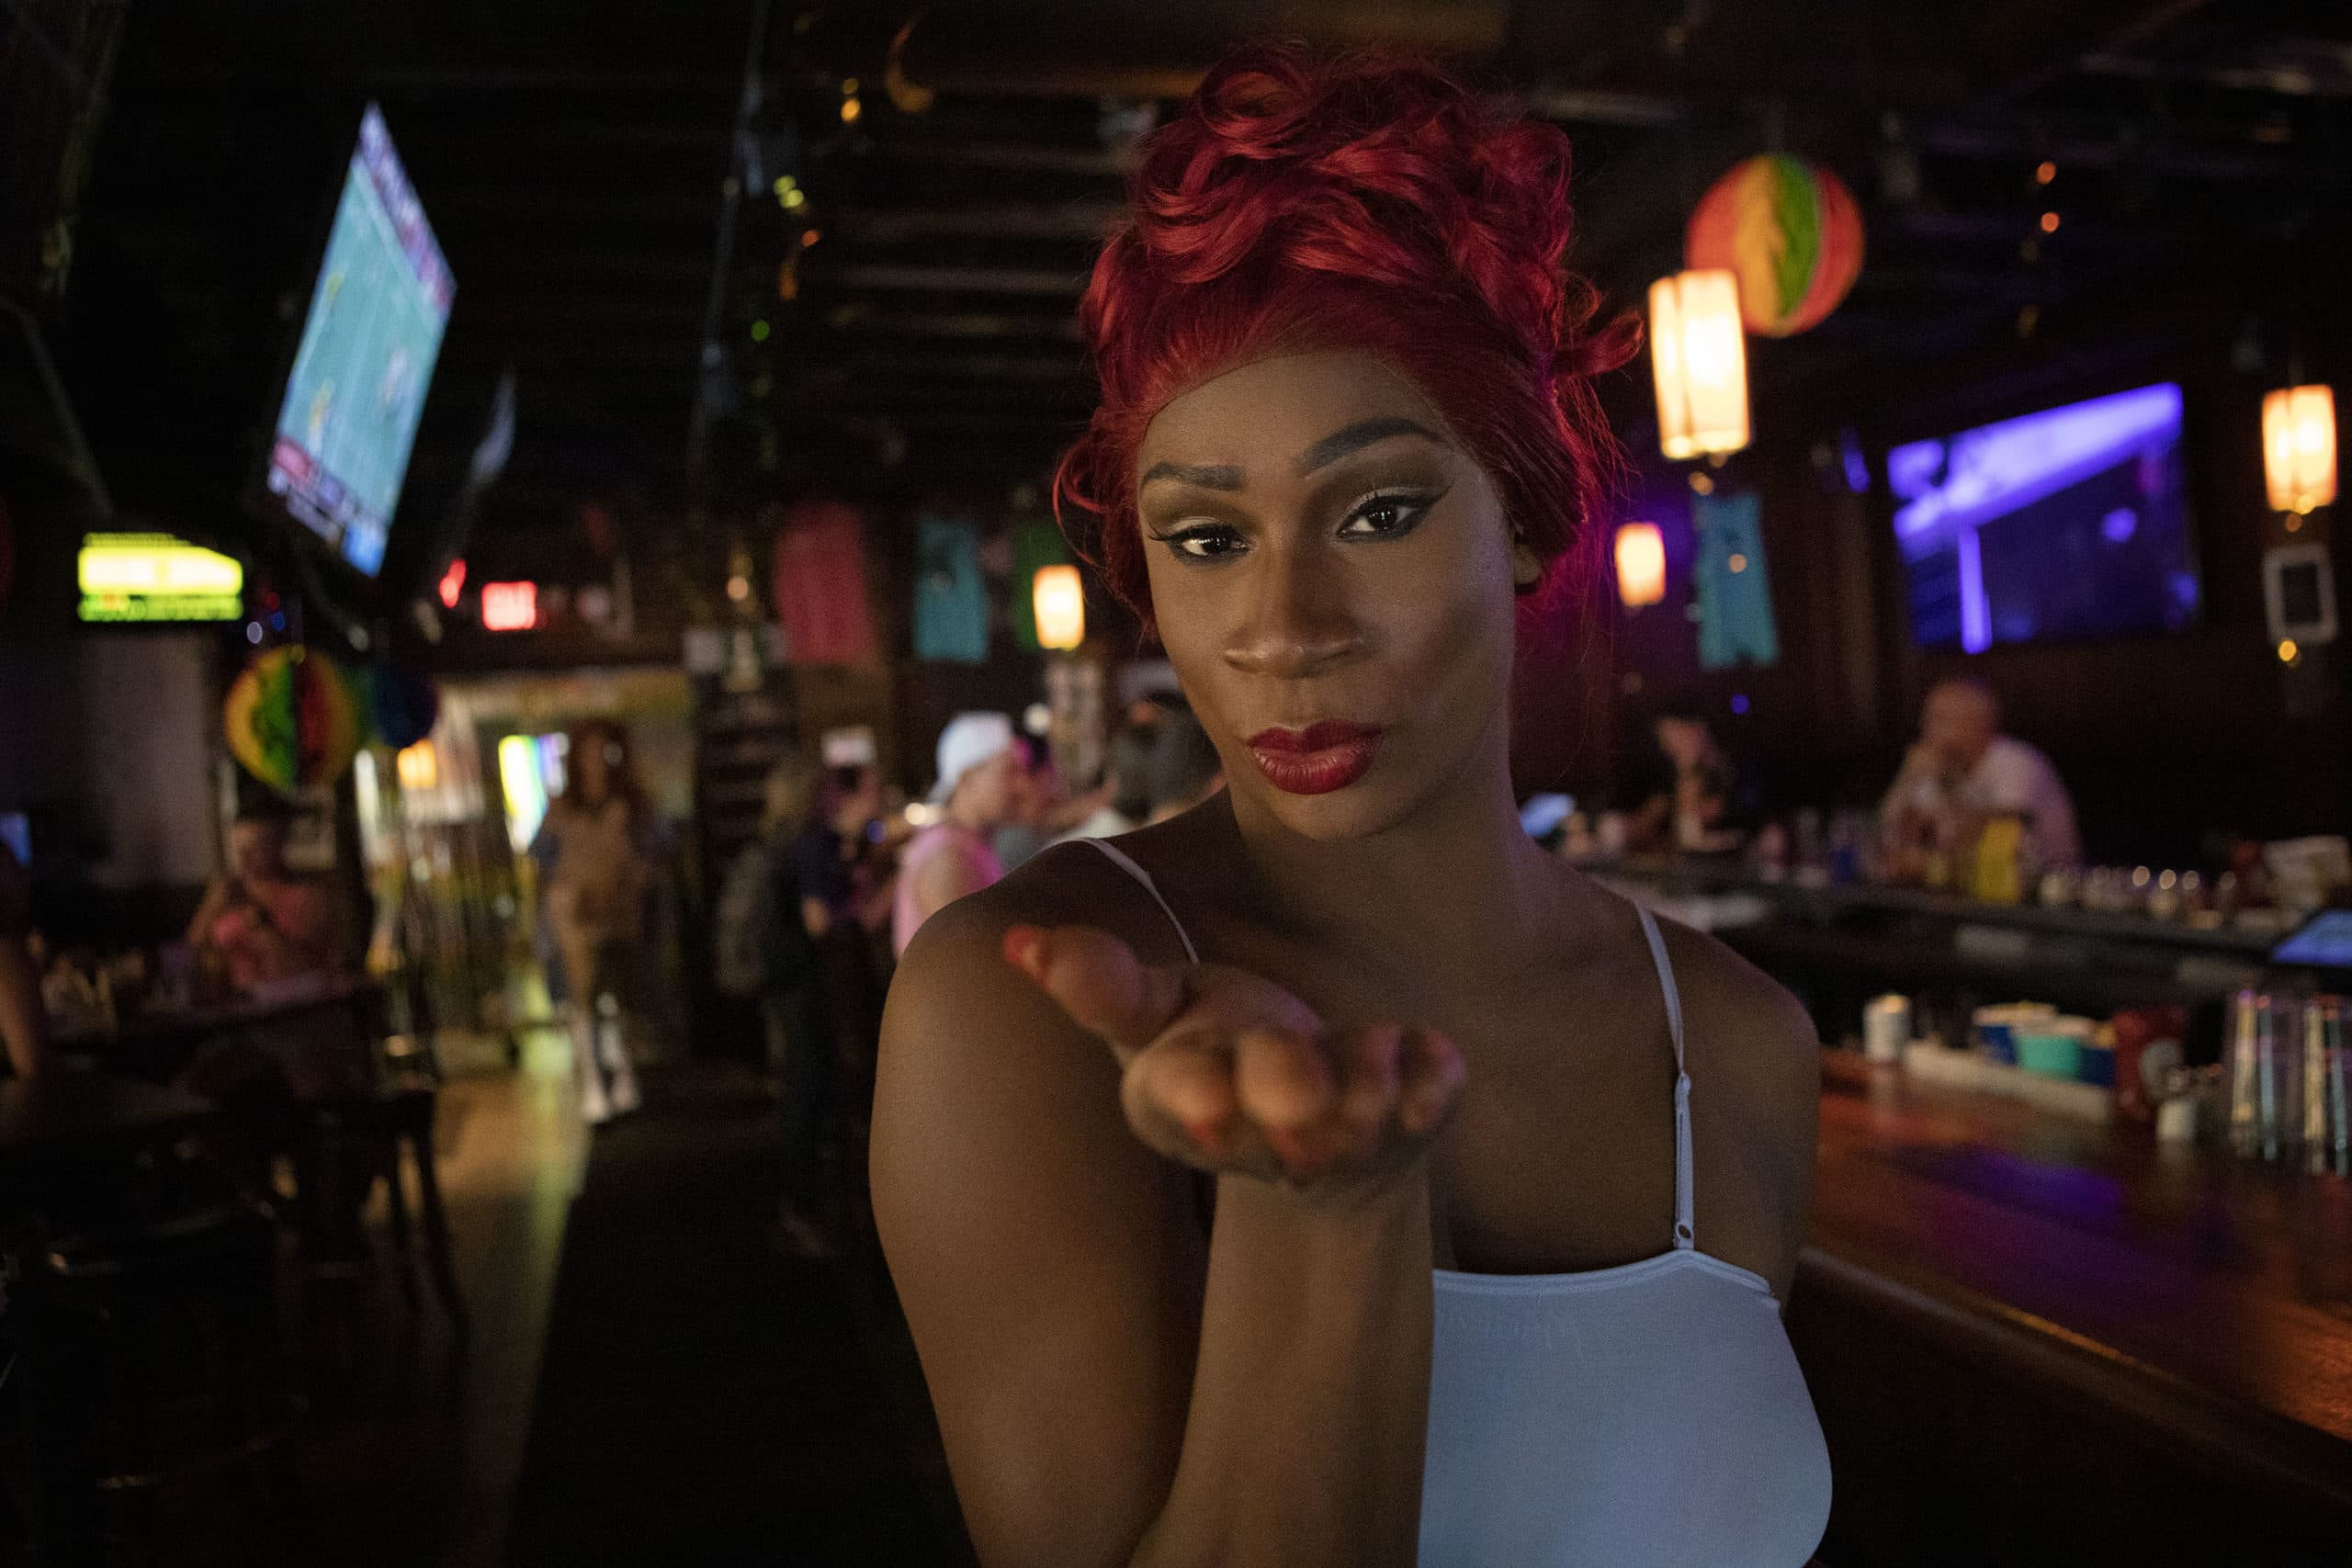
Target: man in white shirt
[1962, 769]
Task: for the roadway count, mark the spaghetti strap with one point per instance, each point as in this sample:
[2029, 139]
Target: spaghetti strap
[1685, 1218]
[1125, 862]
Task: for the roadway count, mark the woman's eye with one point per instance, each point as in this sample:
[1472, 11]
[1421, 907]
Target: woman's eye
[1385, 516]
[1205, 542]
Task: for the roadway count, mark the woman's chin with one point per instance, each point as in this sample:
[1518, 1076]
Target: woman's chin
[1370, 806]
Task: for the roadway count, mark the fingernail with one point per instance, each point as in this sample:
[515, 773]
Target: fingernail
[1207, 1133]
[1023, 945]
[1288, 1145]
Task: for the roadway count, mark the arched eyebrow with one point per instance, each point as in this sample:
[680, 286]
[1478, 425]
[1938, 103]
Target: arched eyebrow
[1206, 476]
[1356, 437]
[1324, 453]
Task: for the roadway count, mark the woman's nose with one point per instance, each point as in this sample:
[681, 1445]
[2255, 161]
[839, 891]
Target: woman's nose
[1298, 622]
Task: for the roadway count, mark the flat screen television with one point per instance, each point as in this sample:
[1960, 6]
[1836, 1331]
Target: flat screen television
[357, 390]
[2069, 524]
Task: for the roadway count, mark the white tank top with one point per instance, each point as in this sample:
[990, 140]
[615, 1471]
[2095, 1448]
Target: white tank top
[1649, 1415]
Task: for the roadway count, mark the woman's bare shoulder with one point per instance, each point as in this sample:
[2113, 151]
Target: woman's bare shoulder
[1749, 1026]
[955, 961]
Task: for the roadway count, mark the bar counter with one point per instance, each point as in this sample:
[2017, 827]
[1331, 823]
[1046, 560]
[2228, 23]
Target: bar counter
[1836, 945]
[2039, 1340]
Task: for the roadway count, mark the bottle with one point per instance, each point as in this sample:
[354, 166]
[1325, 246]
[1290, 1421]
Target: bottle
[2251, 1025]
[2327, 1116]
[1999, 848]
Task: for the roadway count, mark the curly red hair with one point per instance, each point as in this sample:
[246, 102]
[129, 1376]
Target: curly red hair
[1369, 202]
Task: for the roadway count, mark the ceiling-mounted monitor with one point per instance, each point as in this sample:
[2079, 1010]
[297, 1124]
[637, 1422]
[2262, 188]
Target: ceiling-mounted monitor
[2071, 522]
[357, 390]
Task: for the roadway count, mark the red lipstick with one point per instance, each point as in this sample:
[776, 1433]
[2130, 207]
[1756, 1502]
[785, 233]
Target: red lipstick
[1316, 760]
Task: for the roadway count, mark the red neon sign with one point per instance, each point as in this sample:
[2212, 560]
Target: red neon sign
[510, 606]
[453, 582]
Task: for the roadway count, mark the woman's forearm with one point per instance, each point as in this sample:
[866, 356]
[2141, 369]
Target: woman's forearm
[1302, 1444]
[23, 1023]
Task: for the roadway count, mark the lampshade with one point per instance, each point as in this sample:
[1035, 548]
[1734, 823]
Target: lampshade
[419, 766]
[1060, 602]
[1699, 358]
[1641, 565]
[2299, 447]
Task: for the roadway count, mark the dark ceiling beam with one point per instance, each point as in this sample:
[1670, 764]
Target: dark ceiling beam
[960, 279]
[2178, 156]
[1042, 220]
[919, 369]
[862, 317]
[1081, 49]
[1014, 419]
[1010, 156]
[1587, 106]
[2311, 74]
[2046, 43]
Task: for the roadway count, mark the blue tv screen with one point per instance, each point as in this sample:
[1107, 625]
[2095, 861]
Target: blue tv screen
[366, 360]
[2068, 523]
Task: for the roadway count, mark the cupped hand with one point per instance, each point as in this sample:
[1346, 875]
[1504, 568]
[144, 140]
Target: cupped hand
[1223, 1070]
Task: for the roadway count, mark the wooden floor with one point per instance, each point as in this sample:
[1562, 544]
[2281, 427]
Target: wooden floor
[648, 1378]
[415, 1438]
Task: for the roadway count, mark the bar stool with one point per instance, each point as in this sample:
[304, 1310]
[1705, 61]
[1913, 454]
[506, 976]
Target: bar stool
[154, 1356]
[349, 1141]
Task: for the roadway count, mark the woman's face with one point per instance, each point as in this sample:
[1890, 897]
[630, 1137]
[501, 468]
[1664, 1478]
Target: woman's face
[986, 793]
[1334, 579]
[592, 767]
[257, 851]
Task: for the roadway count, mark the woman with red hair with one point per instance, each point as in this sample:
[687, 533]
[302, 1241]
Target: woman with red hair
[1372, 1237]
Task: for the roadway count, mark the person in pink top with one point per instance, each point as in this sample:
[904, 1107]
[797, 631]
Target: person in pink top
[951, 857]
[262, 924]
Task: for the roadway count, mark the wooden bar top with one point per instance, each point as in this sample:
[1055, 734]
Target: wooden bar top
[2211, 1293]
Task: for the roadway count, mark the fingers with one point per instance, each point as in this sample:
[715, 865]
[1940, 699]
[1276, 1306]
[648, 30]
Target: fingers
[1432, 1073]
[1291, 1107]
[1098, 982]
[1180, 1095]
[1285, 1087]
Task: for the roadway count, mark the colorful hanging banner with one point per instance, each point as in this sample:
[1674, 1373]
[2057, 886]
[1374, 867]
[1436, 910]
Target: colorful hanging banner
[951, 601]
[1735, 596]
[819, 595]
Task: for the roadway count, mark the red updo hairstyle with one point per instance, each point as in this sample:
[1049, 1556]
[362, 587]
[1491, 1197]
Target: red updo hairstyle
[1368, 203]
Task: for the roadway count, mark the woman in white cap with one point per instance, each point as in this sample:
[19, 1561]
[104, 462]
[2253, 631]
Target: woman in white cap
[952, 857]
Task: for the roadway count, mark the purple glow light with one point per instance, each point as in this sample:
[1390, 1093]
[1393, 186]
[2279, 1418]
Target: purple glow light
[1999, 469]
[1975, 618]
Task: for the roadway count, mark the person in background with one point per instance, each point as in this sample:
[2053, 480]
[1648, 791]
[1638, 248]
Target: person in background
[24, 1027]
[803, 891]
[1962, 770]
[599, 873]
[259, 923]
[1124, 799]
[1030, 806]
[952, 857]
[1702, 799]
[1040, 814]
[1186, 768]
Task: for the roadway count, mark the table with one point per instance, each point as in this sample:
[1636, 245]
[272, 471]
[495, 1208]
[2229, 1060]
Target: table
[75, 1114]
[2035, 1339]
[158, 1044]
